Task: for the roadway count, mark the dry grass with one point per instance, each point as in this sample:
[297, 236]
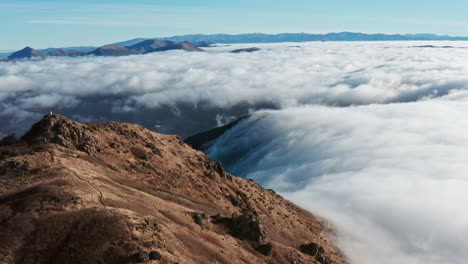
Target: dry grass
[33, 224]
[78, 237]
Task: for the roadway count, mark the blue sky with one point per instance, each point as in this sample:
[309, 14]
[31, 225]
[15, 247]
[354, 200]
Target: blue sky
[55, 23]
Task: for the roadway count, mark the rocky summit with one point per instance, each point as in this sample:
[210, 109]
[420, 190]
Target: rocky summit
[118, 193]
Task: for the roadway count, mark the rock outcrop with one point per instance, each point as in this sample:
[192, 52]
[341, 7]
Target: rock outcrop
[118, 193]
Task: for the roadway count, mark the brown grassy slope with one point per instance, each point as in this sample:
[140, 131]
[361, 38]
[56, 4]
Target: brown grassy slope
[80, 193]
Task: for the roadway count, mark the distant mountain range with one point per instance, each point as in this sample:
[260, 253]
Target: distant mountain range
[143, 47]
[195, 41]
[301, 37]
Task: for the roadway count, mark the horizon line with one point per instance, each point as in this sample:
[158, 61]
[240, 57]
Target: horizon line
[260, 33]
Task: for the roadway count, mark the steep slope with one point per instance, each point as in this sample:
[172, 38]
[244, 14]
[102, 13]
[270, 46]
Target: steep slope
[111, 50]
[26, 53]
[118, 193]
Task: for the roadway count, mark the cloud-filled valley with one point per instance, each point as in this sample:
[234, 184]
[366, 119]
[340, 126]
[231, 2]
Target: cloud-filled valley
[370, 135]
[390, 177]
[279, 75]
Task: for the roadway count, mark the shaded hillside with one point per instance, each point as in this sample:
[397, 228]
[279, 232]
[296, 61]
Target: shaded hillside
[118, 193]
[150, 45]
[178, 46]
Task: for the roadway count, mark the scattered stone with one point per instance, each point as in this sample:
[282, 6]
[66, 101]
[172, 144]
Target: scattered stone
[76, 199]
[153, 224]
[218, 167]
[148, 224]
[151, 243]
[154, 149]
[13, 164]
[240, 200]
[211, 174]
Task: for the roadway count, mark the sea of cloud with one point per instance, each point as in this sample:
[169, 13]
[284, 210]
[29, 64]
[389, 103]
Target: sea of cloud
[371, 135]
[279, 75]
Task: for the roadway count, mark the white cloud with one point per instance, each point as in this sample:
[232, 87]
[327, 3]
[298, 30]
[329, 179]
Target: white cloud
[338, 73]
[392, 178]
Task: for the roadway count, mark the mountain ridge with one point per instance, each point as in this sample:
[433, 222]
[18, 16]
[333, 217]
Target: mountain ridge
[119, 193]
[144, 47]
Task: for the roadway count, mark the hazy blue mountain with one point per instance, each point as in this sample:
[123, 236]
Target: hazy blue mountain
[26, 53]
[79, 48]
[301, 37]
[131, 42]
[4, 55]
[64, 53]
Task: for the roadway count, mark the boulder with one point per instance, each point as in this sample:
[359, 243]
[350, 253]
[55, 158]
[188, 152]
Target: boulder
[265, 249]
[316, 251]
[154, 255]
[140, 257]
[247, 226]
